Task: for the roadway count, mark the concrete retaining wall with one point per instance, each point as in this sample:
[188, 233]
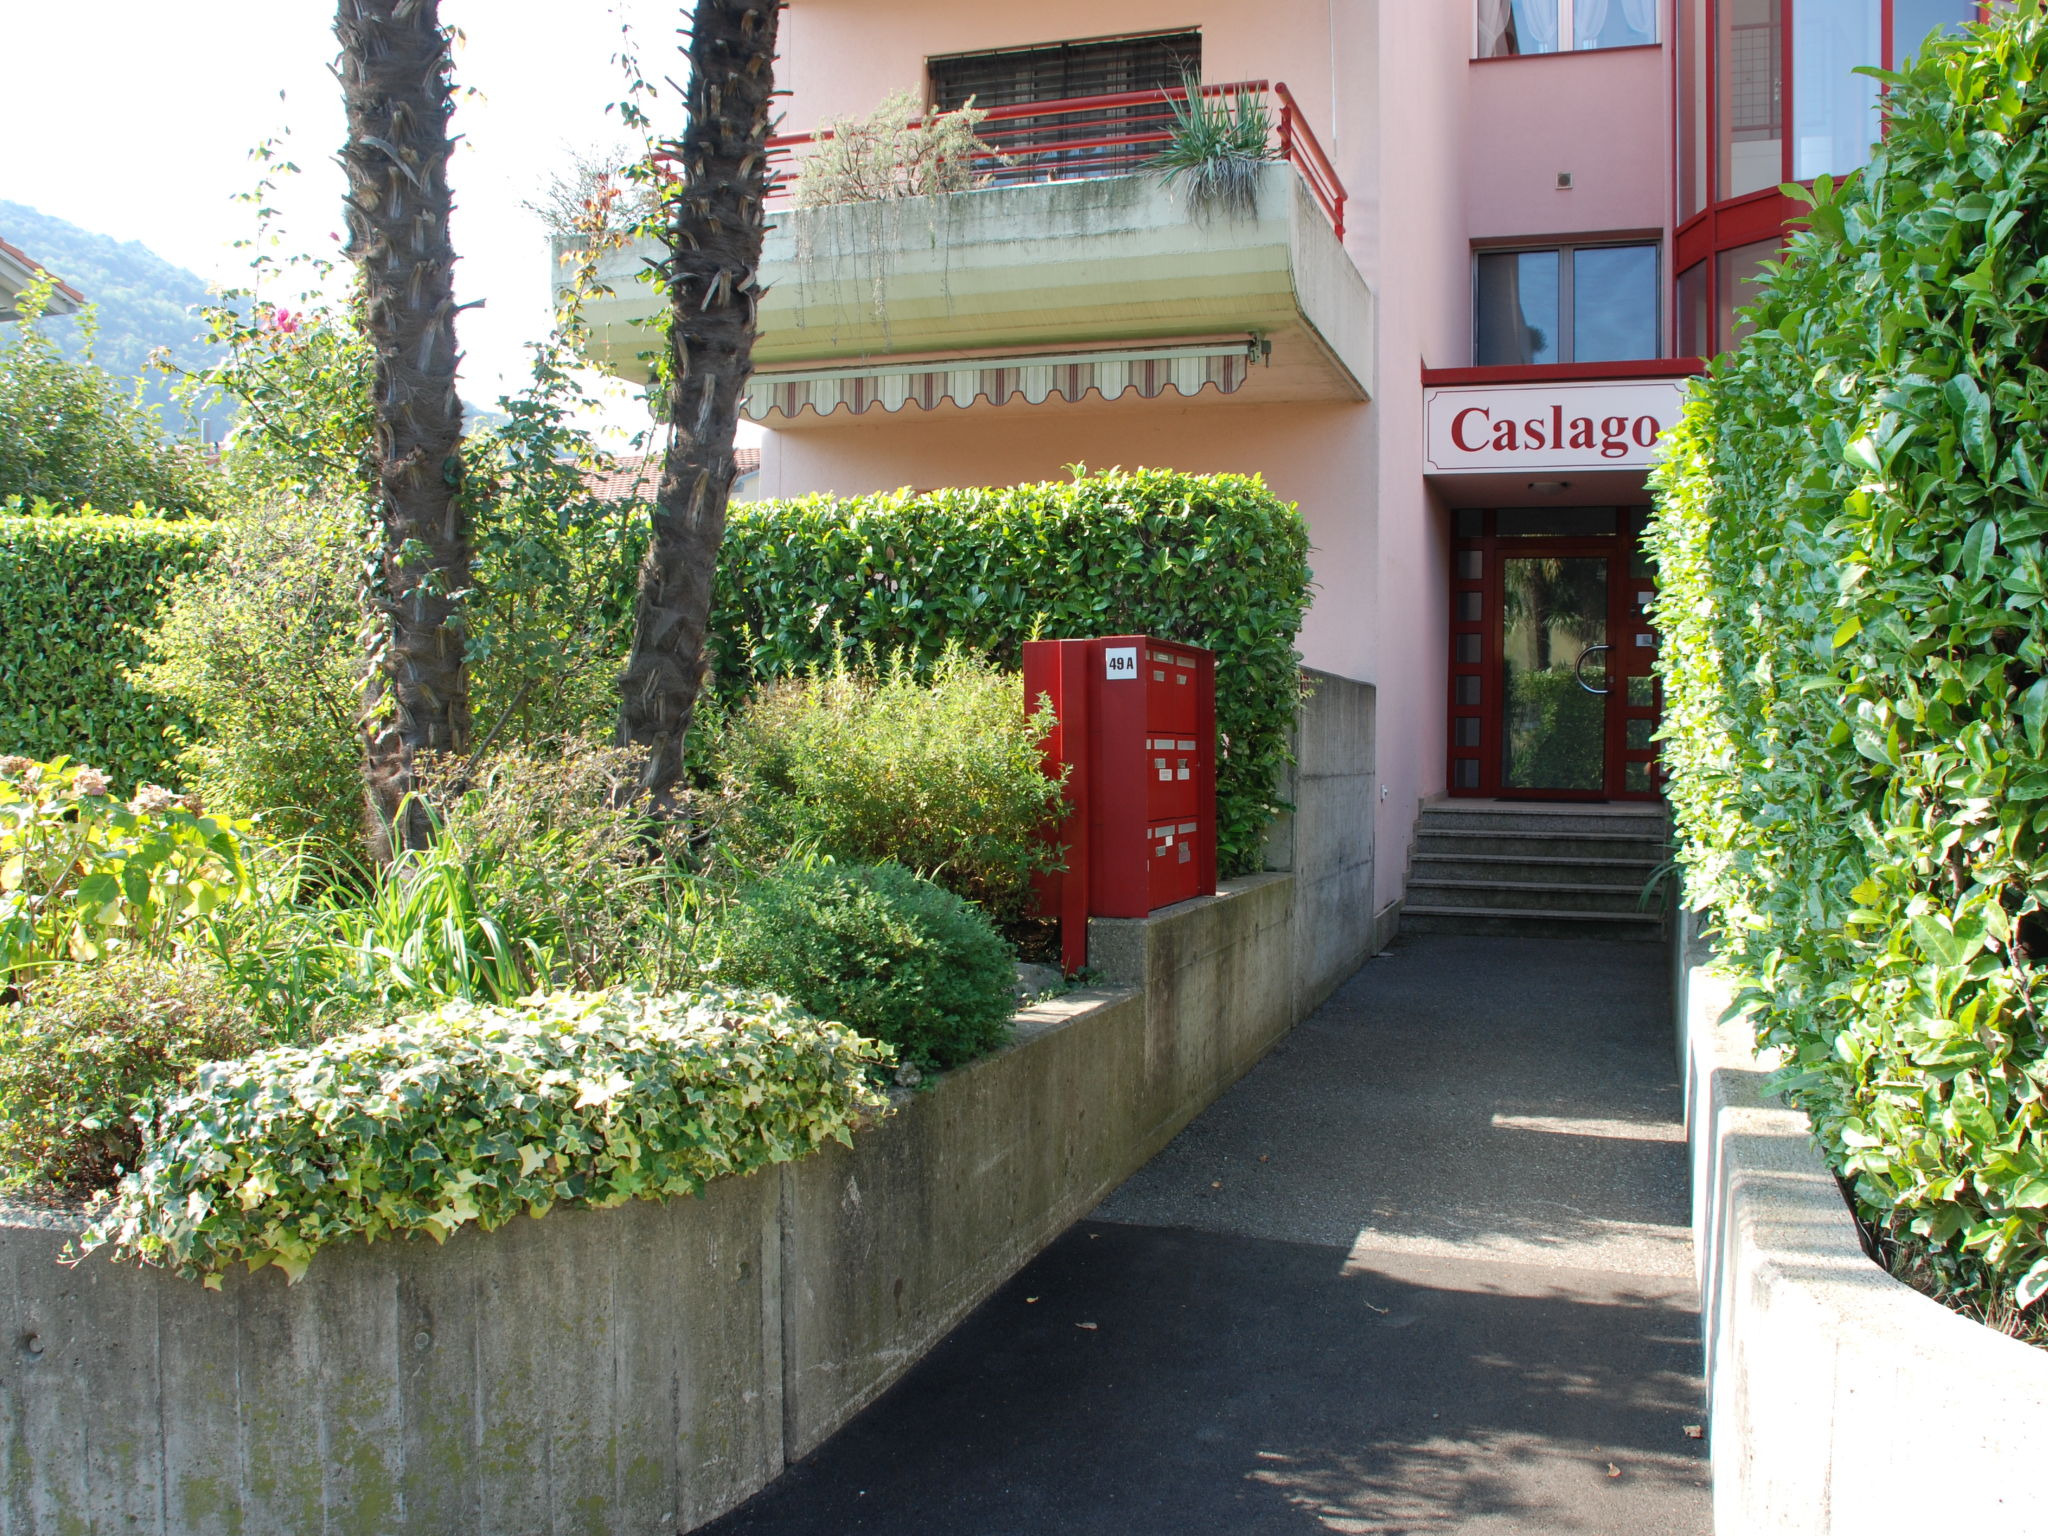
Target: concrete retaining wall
[1327, 842]
[637, 1369]
[1841, 1401]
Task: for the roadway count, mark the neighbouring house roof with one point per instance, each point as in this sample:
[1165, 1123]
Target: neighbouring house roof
[17, 270]
[640, 474]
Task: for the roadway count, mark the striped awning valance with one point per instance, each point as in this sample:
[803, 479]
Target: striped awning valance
[999, 380]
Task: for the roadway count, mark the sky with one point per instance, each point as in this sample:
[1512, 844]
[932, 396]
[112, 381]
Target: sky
[135, 119]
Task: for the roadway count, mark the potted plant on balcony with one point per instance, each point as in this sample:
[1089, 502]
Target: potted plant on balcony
[901, 150]
[1218, 145]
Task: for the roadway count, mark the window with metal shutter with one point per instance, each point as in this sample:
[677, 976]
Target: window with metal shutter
[1013, 77]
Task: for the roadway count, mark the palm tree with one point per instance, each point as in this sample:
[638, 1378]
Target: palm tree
[394, 78]
[711, 228]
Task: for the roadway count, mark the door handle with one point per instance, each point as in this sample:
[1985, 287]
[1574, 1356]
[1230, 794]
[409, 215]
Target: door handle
[1579, 673]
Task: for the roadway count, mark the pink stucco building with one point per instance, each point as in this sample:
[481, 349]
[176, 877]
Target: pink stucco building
[1496, 238]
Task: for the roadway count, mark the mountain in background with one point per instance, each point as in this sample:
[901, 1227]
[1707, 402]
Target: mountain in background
[143, 302]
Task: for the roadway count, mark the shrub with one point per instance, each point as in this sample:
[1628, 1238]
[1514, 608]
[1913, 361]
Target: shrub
[1210, 560]
[260, 647]
[72, 434]
[82, 873]
[900, 150]
[944, 777]
[79, 595]
[535, 880]
[877, 948]
[89, 1044]
[478, 1113]
[1850, 540]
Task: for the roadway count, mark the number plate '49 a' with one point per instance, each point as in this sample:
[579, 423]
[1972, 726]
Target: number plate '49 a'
[1120, 663]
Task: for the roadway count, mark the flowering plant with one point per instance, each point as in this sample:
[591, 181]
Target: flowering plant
[81, 872]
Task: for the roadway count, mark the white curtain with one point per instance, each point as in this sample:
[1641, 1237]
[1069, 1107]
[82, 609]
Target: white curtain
[1536, 26]
[1641, 16]
[1493, 29]
[1589, 23]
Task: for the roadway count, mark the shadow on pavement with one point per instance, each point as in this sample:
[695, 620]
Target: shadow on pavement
[1235, 1384]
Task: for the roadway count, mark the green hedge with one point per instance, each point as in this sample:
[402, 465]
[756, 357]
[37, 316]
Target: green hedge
[1852, 542]
[478, 1113]
[1212, 560]
[78, 595]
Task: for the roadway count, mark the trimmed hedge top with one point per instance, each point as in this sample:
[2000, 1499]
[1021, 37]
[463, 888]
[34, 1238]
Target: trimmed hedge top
[1852, 540]
[78, 596]
[476, 1113]
[1212, 560]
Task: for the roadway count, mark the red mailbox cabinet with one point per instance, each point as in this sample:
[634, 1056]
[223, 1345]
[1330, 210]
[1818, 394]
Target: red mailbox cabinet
[1136, 733]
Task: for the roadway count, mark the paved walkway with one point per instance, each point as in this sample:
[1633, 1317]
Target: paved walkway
[1425, 1269]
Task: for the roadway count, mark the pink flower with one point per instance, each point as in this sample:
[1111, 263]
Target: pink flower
[89, 781]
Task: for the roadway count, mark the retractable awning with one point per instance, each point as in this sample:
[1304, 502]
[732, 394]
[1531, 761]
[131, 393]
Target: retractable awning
[961, 381]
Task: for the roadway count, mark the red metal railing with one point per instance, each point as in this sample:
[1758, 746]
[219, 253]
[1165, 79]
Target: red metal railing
[1094, 136]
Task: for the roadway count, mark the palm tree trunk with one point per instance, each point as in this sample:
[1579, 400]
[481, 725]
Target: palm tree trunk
[394, 76]
[713, 227]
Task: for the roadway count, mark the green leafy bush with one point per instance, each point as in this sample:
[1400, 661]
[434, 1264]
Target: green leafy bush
[78, 595]
[945, 776]
[877, 948]
[81, 873]
[1852, 541]
[73, 434]
[480, 1113]
[536, 880]
[1211, 560]
[89, 1044]
[260, 648]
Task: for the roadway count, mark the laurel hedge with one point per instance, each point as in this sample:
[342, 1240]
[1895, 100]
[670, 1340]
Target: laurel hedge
[1211, 560]
[78, 596]
[1852, 540]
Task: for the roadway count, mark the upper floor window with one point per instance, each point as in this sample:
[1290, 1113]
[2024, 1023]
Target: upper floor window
[1566, 304]
[1735, 114]
[1509, 27]
[1107, 66]
[1060, 72]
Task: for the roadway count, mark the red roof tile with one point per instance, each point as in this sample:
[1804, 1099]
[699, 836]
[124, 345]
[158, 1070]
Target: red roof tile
[638, 475]
[29, 261]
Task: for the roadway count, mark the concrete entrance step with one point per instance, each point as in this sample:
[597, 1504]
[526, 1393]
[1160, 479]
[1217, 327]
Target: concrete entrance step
[1543, 868]
[1527, 816]
[1648, 846]
[1532, 924]
[1521, 895]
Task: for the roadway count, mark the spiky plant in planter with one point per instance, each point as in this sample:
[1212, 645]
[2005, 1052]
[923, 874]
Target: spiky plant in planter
[1218, 146]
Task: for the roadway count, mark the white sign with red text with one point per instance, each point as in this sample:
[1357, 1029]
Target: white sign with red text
[1515, 428]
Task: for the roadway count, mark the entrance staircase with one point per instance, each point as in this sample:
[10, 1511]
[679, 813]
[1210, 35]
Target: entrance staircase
[1537, 871]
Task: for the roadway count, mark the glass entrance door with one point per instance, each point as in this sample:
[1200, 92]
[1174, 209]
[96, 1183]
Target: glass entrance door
[1553, 692]
[1553, 674]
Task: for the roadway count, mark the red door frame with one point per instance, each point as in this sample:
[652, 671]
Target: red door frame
[1475, 674]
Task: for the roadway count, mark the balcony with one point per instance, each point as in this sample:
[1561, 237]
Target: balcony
[1066, 270]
